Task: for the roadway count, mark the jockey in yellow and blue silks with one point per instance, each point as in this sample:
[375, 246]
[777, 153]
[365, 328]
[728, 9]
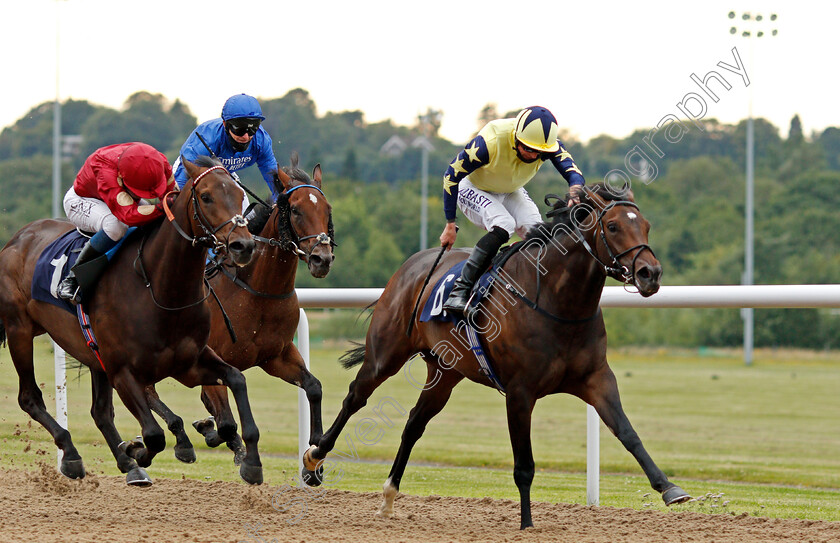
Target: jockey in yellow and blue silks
[486, 182]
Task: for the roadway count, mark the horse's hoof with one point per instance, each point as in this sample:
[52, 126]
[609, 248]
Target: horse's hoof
[185, 454]
[674, 495]
[309, 461]
[138, 477]
[238, 449]
[72, 469]
[312, 478]
[130, 448]
[204, 426]
[253, 475]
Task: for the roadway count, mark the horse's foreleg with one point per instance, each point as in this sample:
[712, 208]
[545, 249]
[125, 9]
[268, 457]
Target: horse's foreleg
[133, 397]
[102, 412]
[370, 376]
[437, 391]
[290, 367]
[212, 370]
[184, 450]
[602, 394]
[31, 400]
[520, 405]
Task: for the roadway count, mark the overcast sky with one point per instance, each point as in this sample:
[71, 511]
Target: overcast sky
[601, 67]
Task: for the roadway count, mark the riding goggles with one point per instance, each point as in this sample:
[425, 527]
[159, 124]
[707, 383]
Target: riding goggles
[240, 127]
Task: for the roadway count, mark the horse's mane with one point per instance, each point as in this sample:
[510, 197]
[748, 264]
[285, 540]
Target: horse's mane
[560, 214]
[207, 161]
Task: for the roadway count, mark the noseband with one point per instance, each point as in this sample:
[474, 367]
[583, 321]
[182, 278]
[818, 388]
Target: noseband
[614, 268]
[209, 238]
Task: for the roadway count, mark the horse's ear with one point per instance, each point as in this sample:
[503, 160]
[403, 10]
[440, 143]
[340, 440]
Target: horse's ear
[192, 170]
[316, 175]
[284, 178]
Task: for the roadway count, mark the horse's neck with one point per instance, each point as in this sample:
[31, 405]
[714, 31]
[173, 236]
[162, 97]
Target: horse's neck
[271, 271]
[572, 282]
[173, 265]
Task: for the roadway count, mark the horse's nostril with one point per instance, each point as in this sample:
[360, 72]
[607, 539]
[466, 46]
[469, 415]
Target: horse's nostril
[644, 273]
[240, 247]
[316, 260]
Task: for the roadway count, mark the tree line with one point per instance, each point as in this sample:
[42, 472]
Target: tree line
[695, 202]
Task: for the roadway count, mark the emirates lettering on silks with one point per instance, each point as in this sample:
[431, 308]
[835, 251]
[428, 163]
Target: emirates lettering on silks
[473, 199]
[236, 163]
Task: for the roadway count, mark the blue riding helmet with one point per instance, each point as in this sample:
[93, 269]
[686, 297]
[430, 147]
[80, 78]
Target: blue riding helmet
[242, 105]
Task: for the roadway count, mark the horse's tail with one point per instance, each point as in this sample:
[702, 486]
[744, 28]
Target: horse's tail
[2, 334]
[353, 357]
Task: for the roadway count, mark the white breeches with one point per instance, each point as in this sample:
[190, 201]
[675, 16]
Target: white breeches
[514, 211]
[92, 215]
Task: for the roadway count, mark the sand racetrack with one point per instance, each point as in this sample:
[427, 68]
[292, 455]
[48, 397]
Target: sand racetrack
[40, 506]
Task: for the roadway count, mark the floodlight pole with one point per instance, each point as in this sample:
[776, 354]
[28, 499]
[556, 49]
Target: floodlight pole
[747, 313]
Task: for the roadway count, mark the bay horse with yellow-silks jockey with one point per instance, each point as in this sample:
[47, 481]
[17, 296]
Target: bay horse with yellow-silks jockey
[148, 313]
[260, 301]
[540, 327]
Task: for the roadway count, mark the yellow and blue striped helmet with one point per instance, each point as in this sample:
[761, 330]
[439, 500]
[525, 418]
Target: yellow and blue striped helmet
[537, 128]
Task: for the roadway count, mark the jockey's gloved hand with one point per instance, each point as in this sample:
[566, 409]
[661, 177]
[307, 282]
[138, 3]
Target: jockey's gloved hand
[574, 195]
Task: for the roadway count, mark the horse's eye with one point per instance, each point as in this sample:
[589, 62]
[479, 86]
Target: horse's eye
[296, 211]
[206, 198]
[612, 227]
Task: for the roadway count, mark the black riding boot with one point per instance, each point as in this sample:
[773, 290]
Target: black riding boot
[257, 218]
[479, 260]
[69, 289]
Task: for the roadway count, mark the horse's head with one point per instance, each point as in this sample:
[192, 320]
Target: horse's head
[308, 215]
[619, 236]
[216, 217]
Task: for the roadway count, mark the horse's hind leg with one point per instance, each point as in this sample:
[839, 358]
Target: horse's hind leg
[437, 391]
[133, 396]
[184, 450]
[602, 394]
[31, 400]
[381, 361]
[102, 411]
[220, 427]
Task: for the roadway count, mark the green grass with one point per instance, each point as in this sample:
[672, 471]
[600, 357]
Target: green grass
[762, 440]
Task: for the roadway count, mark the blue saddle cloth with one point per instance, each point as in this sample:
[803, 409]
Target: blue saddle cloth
[433, 308]
[433, 311]
[55, 262]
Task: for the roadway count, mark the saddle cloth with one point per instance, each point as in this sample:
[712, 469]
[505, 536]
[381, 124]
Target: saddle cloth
[55, 263]
[433, 311]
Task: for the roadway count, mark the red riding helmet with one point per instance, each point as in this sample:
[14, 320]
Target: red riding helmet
[143, 170]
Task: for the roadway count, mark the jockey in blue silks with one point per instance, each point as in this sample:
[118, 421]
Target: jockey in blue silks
[239, 141]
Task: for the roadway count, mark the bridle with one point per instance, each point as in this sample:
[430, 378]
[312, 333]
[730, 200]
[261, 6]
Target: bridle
[293, 245]
[614, 268]
[209, 239]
